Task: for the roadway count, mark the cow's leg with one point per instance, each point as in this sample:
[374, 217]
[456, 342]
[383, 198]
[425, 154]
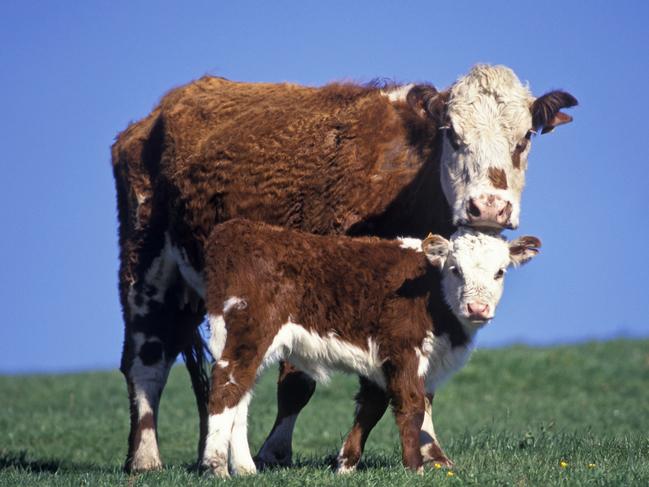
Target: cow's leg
[431, 451]
[145, 365]
[406, 391]
[159, 325]
[371, 403]
[294, 389]
[238, 352]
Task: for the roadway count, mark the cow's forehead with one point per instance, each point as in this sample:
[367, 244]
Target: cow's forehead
[472, 249]
[488, 99]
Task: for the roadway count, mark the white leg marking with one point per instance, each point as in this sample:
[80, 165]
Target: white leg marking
[275, 449]
[341, 464]
[241, 462]
[148, 381]
[427, 434]
[219, 431]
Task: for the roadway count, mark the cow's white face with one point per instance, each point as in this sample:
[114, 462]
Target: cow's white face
[473, 266]
[488, 124]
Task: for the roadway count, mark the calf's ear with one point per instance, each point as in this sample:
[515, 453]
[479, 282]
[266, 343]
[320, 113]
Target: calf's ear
[546, 114]
[523, 249]
[436, 249]
[427, 102]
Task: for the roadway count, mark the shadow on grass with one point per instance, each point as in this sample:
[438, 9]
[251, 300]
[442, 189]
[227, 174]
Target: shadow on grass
[20, 461]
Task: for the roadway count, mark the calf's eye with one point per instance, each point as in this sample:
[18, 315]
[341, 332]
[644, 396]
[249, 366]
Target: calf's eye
[499, 274]
[456, 272]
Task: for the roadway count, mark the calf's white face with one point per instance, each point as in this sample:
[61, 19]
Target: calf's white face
[473, 267]
[489, 120]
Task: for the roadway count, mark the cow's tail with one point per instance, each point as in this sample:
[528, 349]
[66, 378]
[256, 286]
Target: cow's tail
[197, 360]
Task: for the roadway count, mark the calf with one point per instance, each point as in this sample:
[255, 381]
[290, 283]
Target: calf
[378, 308]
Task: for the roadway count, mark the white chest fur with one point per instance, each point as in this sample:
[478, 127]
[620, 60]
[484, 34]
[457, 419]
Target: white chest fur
[438, 359]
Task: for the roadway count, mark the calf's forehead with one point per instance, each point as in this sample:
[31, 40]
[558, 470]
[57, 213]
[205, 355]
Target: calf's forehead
[476, 252]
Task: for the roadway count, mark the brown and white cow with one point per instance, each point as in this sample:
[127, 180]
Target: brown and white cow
[341, 159]
[378, 308]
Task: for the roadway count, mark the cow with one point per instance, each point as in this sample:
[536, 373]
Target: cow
[402, 314]
[382, 160]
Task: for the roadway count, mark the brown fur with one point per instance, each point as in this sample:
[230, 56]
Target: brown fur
[498, 177]
[355, 288]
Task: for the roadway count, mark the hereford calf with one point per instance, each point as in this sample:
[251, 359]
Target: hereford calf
[378, 308]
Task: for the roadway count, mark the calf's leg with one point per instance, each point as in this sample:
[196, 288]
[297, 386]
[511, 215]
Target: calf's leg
[294, 389]
[233, 376]
[406, 391]
[371, 403]
[431, 451]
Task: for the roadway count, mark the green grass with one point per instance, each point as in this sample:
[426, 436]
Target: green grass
[508, 418]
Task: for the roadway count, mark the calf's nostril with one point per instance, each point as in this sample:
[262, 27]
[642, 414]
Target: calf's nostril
[473, 208]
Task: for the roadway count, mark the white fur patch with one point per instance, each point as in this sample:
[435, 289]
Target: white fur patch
[218, 335]
[320, 356]
[147, 455]
[398, 93]
[410, 243]
[191, 276]
[438, 360]
[234, 303]
[241, 462]
[158, 277]
[217, 443]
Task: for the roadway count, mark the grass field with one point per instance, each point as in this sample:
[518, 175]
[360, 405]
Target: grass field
[510, 417]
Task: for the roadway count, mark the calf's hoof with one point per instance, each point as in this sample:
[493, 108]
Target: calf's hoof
[439, 462]
[217, 466]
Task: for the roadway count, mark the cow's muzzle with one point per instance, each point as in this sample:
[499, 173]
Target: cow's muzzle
[489, 210]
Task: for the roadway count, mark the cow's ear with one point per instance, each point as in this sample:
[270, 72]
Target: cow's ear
[427, 102]
[436, 249]
[546, 114]
[523, 249]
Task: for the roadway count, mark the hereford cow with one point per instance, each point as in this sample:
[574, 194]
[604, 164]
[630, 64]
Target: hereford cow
[373, 307]
[342, 159]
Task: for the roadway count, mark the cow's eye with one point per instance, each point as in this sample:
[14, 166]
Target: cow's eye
[456, 271]
[499, 274]
[522, 145]
[453, 139]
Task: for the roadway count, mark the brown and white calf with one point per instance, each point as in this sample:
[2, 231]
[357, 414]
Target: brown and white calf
[377, 308]
[340, 159]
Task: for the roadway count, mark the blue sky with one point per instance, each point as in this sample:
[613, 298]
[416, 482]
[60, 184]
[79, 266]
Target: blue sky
[75, 73]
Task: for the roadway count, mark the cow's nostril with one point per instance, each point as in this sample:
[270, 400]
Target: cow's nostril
[473, 208]
[506, 211]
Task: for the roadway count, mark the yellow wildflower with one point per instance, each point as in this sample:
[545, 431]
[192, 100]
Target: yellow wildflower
[592, 465]
[449, 474]
[438, 466]
[563, 464]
